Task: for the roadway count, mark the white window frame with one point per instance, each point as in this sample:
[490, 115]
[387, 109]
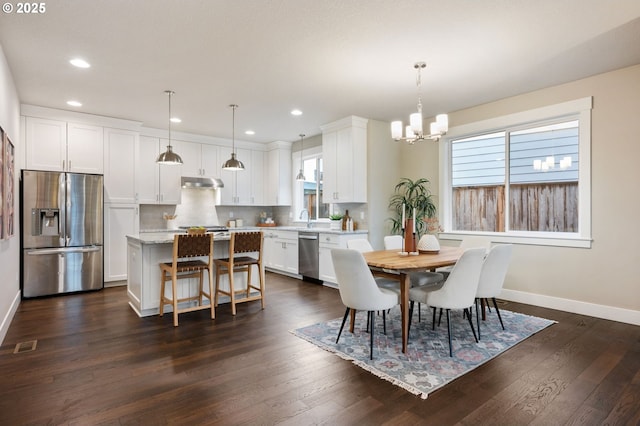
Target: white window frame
[580, 108]
[308, 153]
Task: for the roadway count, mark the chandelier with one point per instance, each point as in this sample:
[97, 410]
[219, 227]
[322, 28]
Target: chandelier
[413, 132]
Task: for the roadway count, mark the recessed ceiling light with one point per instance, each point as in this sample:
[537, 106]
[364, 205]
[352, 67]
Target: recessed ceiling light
[249, 132]
[296, 112]
[80, 63]
[175, 120]
[74, 103]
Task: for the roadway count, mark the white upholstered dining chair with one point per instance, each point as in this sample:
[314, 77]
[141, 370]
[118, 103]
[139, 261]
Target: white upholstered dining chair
[358, 288]
[458, 291]
[492, 275]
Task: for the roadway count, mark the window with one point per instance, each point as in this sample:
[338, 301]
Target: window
[308, 194]
[524, 176]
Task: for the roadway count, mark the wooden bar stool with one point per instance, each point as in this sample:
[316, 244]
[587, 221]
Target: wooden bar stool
[187, 247]
[241, 242]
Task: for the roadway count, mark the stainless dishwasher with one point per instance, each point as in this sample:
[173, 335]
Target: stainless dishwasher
[308, 255]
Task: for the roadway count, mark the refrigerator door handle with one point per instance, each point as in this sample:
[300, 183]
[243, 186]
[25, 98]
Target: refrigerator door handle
[43, 252]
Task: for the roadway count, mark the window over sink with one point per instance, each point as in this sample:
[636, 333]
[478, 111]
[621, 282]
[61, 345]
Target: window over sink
[307, 194]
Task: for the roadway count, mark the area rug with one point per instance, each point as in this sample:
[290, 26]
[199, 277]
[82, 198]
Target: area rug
[426, 366]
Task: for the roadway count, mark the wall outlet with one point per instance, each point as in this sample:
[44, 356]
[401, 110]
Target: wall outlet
[290, 215]
[230, 214]
[361, 215]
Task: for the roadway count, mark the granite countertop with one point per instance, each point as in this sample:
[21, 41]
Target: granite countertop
[161, 236]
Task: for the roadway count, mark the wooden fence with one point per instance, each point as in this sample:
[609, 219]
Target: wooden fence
[548, 207]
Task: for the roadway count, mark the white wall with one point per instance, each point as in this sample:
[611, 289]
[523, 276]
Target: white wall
[601, 281]
[10, 249]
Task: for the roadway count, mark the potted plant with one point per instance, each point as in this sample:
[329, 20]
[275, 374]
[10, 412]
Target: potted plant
[336, 221]
[412, 194]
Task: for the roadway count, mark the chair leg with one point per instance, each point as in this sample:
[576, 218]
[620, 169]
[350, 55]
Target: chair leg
[384, 323]
[418, 312]
[468, 310]
[232, 292]
[440, 317]
[162, 283]
[495, 304]
[215, 298]
[249, 268]
[448, 330]
[174, 291]
[372, 316]
[433, 325]
[346, 314]
[478, 316]
[261, 278]
[213, 308]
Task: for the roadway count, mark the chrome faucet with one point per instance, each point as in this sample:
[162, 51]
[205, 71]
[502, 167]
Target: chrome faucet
[302, 212]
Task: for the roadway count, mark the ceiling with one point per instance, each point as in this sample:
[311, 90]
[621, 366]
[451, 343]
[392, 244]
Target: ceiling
[329, 58]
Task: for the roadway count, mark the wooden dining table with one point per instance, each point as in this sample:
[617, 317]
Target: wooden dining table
[405, 264]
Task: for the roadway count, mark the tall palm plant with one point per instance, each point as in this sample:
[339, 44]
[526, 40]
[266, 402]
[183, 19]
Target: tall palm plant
[412, 194]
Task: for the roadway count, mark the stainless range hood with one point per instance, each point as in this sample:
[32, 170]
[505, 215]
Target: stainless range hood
[201, 182]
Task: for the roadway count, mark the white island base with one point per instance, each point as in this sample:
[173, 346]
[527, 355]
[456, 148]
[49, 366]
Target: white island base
[145, 252]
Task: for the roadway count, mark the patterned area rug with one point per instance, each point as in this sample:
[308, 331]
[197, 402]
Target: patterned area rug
[426, 366]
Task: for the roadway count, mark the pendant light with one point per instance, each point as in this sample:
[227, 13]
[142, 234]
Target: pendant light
[300, 176]
[169, 157]
[233, 164]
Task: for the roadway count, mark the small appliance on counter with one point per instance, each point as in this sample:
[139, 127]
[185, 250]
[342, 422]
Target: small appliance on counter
[62, 232]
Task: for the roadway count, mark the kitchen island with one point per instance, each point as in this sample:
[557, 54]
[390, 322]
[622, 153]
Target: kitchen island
[145, 251]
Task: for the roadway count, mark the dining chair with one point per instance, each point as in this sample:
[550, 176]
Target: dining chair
[492, 275]
[394, 242]
[363, 246]
[469, 241]
[240, 245]
[458, 291]
[186, 247]
[358, 288]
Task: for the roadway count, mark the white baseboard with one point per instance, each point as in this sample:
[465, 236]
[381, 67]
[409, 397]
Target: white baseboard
[574, 306]
[6, 321]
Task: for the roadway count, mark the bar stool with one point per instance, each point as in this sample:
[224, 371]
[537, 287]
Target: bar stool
[188, 247]
[241, 242]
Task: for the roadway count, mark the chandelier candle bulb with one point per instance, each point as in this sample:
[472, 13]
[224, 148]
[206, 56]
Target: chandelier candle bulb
[415, 120]
[396, 129]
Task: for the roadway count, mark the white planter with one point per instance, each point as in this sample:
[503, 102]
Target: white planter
[336, 225]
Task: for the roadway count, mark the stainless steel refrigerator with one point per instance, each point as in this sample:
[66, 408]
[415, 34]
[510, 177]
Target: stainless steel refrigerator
[62, 232]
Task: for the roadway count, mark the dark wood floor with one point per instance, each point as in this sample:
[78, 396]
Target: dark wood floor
[96, 362]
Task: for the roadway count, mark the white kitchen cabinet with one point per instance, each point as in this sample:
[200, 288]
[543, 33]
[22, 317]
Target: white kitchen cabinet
[278, 176]
[245, 187]
[329, 241]
[120, 220]
[65, 147]
[119, 166]
[344, 155]
[155, 183]
[280, 250]
[199, 160]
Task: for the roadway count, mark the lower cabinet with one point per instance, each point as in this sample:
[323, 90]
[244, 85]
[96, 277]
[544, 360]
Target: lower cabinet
[120, 220]
[330, 241]
[281, 251]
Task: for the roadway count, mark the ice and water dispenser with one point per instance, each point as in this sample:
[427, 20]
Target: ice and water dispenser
[45, 222]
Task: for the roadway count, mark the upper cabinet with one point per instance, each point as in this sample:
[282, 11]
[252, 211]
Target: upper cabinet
[60, 146]
[344, 154]
[277, 190]
[119, 165]
[199, 160]
[245, 187]
[156, 184]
